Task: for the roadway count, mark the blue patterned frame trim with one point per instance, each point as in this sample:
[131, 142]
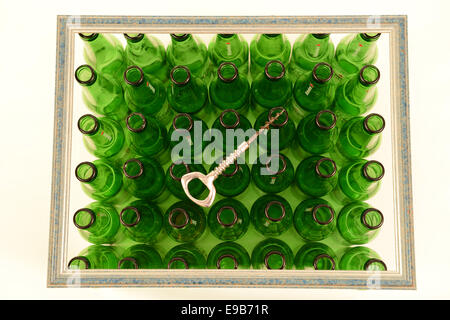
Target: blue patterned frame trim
[67, 26]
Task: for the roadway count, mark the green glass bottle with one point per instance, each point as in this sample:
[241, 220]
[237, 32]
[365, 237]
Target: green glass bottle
[140, 256]
[101, 181]
[266, 47]
[188, 50]
[271, 215]
[188, 131]
[234, 180]
[317, 133]
[315, 256]
[314, 91]
[271, 88]
[230, 89]
[285, 130]
[101, 93]
[147, 52]
[273, 174]
[95, 257]
[173, 179]
[184, 221]
[361, 258]
[186, 93]
[228, 255]
[142, 221]
[358, 222]
[308, 50]
[103, 137]
[229, 48]
[359, 180]
[314, 219]
[360, 136]
[355, 51]
[147, 136]
[233, 127]
[228, 219]
[146, 94]
[144, 178]
[105, 53]
[98, 223]
[272, 254]
[316, 176]
[184, 256]
[358, 94]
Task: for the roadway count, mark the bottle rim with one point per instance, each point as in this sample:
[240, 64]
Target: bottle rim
[136, 38]
[130, 259]
[172, 175]
[188, 116]
[274, 78]
[236, 168]
[235, 74]
[134, 83]
[372, 261]
[270, 204]
[317, 168]
[136, 211]
[235, 124]
[219, 213]
[82, 258]
[91, 222]
[180, 83]
[315, 75]
[270, 116]
[93, 175]
[143, 125]
[320, 35]
[270, 253]
[320, 125]
[180, 37]
[91, 80]
[187, 218]
[137, 175]
[219, 260]
[366, 123]
[283, 160]
[366, 174]
[324, 256]
[226, 35]
[364, 220]
[369, 37]
[171, 261]
[89, 36]
[94, 129]
[330, 209]
[364, 81]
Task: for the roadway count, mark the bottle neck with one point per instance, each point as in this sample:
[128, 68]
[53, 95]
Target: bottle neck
[141, 89]
[360, 47]
[228, 46]
[99, 44]
[271, 44]
[366, 131]
[96, 131]
[142, 128]
[315, 46]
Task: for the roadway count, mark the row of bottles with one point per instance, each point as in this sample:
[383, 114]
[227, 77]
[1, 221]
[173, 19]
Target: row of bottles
[270, 254]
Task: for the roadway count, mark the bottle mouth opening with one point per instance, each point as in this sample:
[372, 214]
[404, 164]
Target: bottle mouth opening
[224, 262]
[323, 214]
[176, 261]
[275, 260]
[134, 76]
[88, 36]
[322, 72]
[326, 119]
[374, 123]
[79, 263]
[180, 118]
[180, 75]
[88, 124]
[227, 173]
[84, 218]
[326, 168]
[271, 35]
[180, 36]
[227, 71]
[86, 171]
[179, 218]
[274, 70]
[324, 262]
[321, 35]
[85, 75]
[130, 216]
[369, 75]
[133, 168]
[372, 218]
[224, 218]
[371, 36]
[275, 211]
[230, 119]
[128, 263]
[373, 170]
[179, 170]
[281, 158]
[375, 265]
[226, 35]
[136, 122]
[282, 119]
[134, 37]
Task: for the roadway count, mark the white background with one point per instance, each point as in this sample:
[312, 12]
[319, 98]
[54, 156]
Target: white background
[27, 68]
